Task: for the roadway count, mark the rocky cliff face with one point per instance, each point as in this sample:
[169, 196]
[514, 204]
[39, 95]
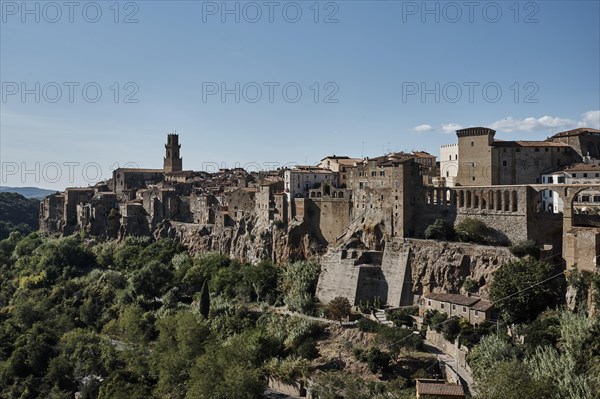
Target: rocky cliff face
[443, 267]
[408, 269]
[247, 241]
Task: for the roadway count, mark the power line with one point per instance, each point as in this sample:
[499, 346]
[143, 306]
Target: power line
[531, 286]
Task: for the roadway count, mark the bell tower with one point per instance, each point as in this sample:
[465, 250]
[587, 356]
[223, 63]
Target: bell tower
[172, 161]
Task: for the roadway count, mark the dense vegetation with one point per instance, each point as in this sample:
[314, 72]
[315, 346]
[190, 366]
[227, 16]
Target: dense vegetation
[18, 213]
[524, 288]
[143, 319]
[559, 359]
[470, 230]
[117, 320]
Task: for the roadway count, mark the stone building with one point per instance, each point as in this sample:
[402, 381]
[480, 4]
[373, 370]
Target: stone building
[126, 181]
[449, 164]
[584, 141]
[339, 164]
[203, 208]
[100, 216]
[485, 161]
[52, 213]
[298, 181]
[172, 161]
[271, 202]
[579, 173]
[74, 197]
[474, 310]
[386, 187]
[240, 202]
[332, 211]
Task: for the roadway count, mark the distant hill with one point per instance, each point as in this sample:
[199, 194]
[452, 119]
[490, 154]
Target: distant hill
[18, 213]
[27, 192]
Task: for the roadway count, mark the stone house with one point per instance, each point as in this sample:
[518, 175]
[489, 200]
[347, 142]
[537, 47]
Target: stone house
[339, 164]
[386, 186]
[475, 310]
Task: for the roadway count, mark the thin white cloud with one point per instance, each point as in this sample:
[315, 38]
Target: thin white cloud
[451, 127]
[423, 128]
[532, 124]
[509, 124]
[590, 119]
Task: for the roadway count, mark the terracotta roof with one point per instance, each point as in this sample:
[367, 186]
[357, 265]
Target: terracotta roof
[576, 167]
[424, 388]
[482, 305]
[311, 169]
[423, 154]
[582, 167]
[336, 157]
[181, 173]
[453, 298]
[140, 170]
[500, 143]
[349, 162]
[576, 132]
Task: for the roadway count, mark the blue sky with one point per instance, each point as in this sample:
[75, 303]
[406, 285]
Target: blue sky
[369, 62]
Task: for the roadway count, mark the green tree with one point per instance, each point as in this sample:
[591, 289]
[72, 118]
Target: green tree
[511, 380]
[298, 284]
[524, 248]
[339, 308]
[395, 339]
[227, 372]
[204, 301]
[491, 350]
[524, 288]
[152, 280]
[263, 279]
[18, 213]
[440, 229]
[472, 230]
[181, 339]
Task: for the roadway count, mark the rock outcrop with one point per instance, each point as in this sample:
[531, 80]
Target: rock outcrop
[246, 241]
[408, 269]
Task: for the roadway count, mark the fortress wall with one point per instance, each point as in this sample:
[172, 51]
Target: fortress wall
[411, 268]
[339, 277]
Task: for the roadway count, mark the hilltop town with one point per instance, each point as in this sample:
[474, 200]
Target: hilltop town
[365, 218]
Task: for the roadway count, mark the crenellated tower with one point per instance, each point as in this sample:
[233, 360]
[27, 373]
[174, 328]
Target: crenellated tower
[172, 161]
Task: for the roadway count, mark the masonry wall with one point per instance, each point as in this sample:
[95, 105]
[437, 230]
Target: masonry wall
[333, 217]
[525, 164]
[581, 248]
[409, 269]
[339, 277]
[476, 148]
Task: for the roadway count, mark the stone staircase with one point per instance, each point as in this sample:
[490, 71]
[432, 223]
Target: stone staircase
[382, 318]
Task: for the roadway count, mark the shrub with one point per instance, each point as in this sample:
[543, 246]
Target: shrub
[376, 359]
[524, 248]
[339, 308]
[470, 285]
[440, 230]
[402, 317]
[367, 325]
[451, 329]
[472, 230]
[434, 319]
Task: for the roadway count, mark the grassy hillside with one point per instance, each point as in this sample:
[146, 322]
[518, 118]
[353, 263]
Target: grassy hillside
[18, 213]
